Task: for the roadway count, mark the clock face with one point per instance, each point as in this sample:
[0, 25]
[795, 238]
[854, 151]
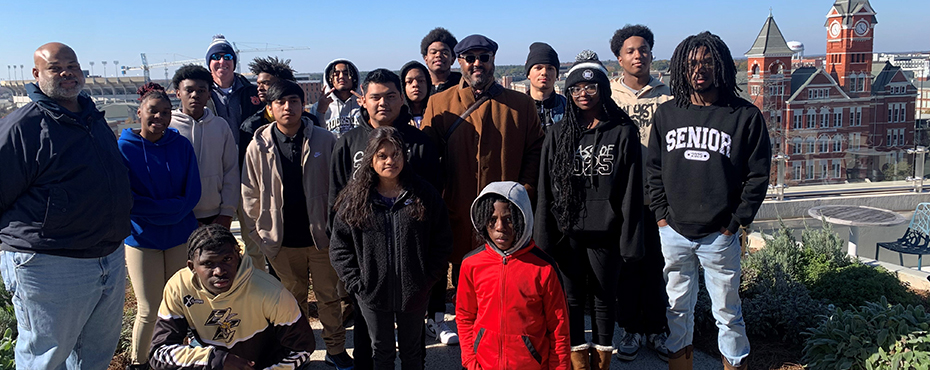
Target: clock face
[862, 28]
[835, 29]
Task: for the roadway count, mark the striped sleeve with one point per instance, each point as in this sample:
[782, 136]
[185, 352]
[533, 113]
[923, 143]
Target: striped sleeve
[292, 331]
[168, 348]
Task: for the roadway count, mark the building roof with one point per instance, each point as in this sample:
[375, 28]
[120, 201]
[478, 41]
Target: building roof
[884, 77]
[800, 76]
[770, 41]
[847, 8]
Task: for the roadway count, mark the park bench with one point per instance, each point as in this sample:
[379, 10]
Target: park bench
[916, 239]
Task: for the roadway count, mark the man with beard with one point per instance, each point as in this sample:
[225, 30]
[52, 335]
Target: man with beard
[542, 69]
[338, 108]
[486, 133]
[436, 48]
[234, 98]
[64, 211]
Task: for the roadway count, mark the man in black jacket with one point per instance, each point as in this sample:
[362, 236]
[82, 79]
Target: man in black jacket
[233, 97]
[708, 170]
[64, 211]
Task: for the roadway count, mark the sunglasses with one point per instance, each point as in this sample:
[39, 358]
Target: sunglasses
[223, 56]
[470, 58]
[591, 89]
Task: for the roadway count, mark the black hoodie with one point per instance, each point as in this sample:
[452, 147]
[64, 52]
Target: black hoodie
[403, 81]
[609, 159]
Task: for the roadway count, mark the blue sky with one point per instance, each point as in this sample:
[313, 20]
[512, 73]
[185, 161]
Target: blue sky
[387, 33]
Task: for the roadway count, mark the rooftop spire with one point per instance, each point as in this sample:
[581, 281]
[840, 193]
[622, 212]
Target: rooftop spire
[770, 41]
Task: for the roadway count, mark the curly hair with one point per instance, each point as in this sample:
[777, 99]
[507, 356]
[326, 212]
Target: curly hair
[191, 72]
[438, 34]
[616, 42]
[724, 69]
[484, 210]
[273, 66]
[211, 237]
[354, 204]
[152, 90]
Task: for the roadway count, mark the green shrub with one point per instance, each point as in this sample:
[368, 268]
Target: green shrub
[868, 337]
[856, 284]
[777, 307]
[910, 352]
[7, 314]
[7, 346]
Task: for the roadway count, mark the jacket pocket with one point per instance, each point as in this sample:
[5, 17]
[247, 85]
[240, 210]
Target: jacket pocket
[531, 349]
[478, 339]
[56, 212]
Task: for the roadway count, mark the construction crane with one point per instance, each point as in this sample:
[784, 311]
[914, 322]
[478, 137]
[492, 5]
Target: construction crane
[146, 67]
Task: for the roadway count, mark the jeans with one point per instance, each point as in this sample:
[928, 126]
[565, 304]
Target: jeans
[68, 310]
[409, 338]
[719, 254]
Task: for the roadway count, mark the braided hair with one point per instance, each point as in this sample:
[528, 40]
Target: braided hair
[724, 69]
[211, 237]
[484, 210]
[152, 90]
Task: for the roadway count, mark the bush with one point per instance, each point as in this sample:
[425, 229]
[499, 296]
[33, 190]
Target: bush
[777, 307]
[872, 336]
[853, 285]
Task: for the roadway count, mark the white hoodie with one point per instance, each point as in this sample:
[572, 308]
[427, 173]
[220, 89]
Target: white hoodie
[217, 160]
[341, 115]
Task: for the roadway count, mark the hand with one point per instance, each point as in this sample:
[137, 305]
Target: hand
[234, 362]
[361, 99]
[662, 223]
[225, 221]
[323, 104]
[724, 231]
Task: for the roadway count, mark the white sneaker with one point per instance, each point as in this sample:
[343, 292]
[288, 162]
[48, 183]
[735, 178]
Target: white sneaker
[629, 346]
[438, 328]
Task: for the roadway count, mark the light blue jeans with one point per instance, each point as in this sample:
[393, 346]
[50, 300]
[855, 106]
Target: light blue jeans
[720, 256]
[68, 310]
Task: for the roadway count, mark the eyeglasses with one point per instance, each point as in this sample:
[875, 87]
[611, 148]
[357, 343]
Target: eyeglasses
[470, 58]
[590, 89]
[223, 56]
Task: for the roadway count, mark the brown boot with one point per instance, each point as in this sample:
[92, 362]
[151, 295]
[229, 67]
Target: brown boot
[727, 366]
[682, 359]
[600, 357]
[580, 360]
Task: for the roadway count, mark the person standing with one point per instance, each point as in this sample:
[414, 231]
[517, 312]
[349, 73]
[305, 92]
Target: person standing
[165, 188]
[436, 49]
[542, 70]
[338, 107]
[706, 132]
[233, 97]
[641, 286]
[417, 85]
[65, 204]
[590, 204]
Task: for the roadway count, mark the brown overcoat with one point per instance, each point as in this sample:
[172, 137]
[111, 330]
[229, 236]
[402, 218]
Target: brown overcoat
[499, 141]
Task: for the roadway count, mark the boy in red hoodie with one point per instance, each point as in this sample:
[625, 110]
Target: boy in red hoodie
[510, 306]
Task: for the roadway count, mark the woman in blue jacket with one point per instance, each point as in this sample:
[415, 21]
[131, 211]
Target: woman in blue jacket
[165, 186]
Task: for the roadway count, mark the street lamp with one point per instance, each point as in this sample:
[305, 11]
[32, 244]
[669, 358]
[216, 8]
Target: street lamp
[91, 68]
[116, 69]
[21, 72]
[14, 70]
[8, 72]
[104, 69]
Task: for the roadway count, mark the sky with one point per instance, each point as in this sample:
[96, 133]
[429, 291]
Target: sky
[388, 33]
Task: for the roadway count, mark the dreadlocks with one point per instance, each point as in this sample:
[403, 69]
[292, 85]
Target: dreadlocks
[210, 237]
[484, 209]
[722, 64]
[273, 66]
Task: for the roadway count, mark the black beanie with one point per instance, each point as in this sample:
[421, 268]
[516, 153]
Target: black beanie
[587, 68]
[541, 53]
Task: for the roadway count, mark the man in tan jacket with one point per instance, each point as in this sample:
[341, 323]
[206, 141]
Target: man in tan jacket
[500, 140]
[641, 286]
[285, 185]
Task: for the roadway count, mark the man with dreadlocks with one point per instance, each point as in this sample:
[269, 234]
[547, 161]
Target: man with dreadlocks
[708, 170]
[239, 317]
[338, 108]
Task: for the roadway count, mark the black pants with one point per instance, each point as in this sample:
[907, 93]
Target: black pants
[361, 339]
[642, 286]
[409, 338]
[586, 270]
[437, 297]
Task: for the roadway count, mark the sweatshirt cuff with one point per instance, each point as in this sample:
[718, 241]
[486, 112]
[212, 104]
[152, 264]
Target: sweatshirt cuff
[733, 227]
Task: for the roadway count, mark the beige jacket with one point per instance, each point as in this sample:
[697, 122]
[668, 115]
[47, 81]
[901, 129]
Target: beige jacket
[217, 161]
[263, 189]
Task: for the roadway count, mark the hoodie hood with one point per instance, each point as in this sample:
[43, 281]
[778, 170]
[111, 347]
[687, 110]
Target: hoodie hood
[515, 193]
[133, 136]
[243, 274]
[429, 81]
[356, 83]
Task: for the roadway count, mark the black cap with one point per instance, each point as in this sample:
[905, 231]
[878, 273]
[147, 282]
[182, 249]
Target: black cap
[475, 42]
[541, 53]
[587, 68]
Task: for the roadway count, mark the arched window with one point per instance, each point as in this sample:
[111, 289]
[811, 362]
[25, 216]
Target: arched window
[755, 70]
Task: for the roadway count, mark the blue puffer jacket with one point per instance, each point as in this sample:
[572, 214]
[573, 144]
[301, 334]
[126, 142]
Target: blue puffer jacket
[165, 187]
[63, 187]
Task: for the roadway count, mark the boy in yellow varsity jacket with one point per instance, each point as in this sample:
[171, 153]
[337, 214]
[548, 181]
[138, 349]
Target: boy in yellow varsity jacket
[240, 317]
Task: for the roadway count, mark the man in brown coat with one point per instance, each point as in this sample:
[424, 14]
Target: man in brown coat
[499, 140]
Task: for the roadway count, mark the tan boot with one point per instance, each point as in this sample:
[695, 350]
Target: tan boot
[682, 359]
[600, 357]
[727, 366]
[580, 360]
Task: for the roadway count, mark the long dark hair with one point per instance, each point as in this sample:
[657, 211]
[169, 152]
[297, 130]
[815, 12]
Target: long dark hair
[354, 204]
[724, 69]
[568, 189]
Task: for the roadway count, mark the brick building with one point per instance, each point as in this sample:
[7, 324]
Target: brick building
[844, 121]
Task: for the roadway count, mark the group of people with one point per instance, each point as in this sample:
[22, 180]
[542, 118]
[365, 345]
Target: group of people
[614, 193]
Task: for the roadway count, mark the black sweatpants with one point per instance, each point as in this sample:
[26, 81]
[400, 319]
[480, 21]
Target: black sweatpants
[641, 289]
[409, 338]
[586, 270]
[361, 339]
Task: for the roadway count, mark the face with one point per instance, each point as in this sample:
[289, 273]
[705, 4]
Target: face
[58, 72]
[635, 56]
[342, 81]
[193, 95]
[388, 161]
[477, 73]
[222, 69]
[542, 76]
[585, 95]
[216, 269]
[286, 111]
[500, 227]
[155, 115]
[264, 81]
[701, 70]
[438, 57]
[383, 103]
[415, 85]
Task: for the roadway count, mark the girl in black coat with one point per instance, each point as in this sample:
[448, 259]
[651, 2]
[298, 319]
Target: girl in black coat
[390, 242]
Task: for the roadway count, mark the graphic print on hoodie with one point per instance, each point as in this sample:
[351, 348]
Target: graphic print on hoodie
[341, 115]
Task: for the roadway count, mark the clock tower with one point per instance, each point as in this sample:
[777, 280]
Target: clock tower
[850, 26]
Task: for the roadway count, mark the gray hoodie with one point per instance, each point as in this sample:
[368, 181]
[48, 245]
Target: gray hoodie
[341, 115]
[217, 160]
[516, 194]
